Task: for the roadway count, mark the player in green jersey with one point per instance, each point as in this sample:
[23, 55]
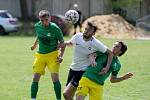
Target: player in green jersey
[49, 55]
[92, 81]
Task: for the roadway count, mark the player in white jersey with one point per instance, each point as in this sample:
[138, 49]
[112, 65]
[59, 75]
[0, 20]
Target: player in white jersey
[84, 44]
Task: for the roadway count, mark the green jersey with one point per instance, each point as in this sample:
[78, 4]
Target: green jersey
[48, 37]
[92, 72]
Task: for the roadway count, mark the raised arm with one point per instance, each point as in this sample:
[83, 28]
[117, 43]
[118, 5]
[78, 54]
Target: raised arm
[115, 79]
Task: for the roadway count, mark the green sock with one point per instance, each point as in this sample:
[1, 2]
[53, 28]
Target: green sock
[34, 89]
[57, 88]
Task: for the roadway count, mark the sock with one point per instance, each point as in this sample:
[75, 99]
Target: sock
[34, 89]
[57, 88]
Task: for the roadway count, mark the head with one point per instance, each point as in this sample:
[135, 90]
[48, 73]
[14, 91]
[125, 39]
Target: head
[90, 30]
[44, 17]
[75, 6]
[119, 48]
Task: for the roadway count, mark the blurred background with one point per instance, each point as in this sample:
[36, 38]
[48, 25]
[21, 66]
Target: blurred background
[22, 14]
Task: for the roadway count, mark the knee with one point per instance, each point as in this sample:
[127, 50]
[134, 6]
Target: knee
[67, 96]
[36, 77]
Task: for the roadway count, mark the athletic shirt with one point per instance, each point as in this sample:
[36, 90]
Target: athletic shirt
[82, 49]
[92, 72]
[48, 37]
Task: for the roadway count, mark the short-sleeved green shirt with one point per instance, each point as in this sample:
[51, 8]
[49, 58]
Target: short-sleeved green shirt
[92, 72]
[48, 37]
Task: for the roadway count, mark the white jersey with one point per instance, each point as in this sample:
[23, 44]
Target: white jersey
[82, 49]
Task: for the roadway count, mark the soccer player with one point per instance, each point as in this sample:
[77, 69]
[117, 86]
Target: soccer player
[84, 44]
[92, 82]
[48, 55]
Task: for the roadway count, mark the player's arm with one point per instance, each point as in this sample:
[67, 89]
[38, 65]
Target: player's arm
[71, 41]
[62, 47]
[34, 44]
[109, 60]
[104, 49]
[68, 43]
[92, 58]
[115, 79]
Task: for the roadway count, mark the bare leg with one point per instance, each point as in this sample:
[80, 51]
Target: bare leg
[55, 77]
[80, 97]
[36, 77]
[57, 85]
[69, 92]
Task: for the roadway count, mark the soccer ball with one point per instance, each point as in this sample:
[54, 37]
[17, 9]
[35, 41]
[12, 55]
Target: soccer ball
[72, 16]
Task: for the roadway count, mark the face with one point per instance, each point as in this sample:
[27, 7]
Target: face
[89, 32]
[116, 49]
[45, 21]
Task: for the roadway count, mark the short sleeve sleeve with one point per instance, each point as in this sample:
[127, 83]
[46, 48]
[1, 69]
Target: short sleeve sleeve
[100, 46]
[116, 68]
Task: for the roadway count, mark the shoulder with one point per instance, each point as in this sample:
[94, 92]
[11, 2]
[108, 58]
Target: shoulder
[53, 25]
[95, 39]
[97, 42]
[116, 63]
[37, 24]
[78, 35]
[100, 53]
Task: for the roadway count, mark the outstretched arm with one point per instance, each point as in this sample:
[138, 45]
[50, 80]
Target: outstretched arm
[62, 47]
[115, 79]
[68, 43]
[34, 44]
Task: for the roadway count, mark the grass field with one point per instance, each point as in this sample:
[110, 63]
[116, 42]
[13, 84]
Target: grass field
[16, 63]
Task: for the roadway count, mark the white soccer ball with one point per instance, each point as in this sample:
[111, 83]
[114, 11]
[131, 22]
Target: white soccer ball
[72, 16]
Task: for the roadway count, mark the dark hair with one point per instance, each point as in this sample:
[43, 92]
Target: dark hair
[123, 48]
[91, 25]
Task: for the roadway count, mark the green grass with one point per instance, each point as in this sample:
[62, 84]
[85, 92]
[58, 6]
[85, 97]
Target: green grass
[16, 63]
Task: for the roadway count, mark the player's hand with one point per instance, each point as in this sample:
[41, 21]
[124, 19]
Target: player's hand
[104, 71]
[128, 75]
[33, 47]
[61, 45]
[59, 59]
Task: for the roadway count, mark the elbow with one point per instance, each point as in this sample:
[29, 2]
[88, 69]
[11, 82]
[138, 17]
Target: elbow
[109, 52]
[112, 81]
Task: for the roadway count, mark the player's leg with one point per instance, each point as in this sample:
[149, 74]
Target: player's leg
[53, 67]
[75, 28]
[96, 91]
[73, 84]
[57, 85]
[67, 91]
[83, 89]
[80, 97]
[38, 70]
[34, 85]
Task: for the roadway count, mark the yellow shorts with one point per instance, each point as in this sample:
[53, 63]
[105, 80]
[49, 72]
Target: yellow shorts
[46, 60]
[87, 86]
